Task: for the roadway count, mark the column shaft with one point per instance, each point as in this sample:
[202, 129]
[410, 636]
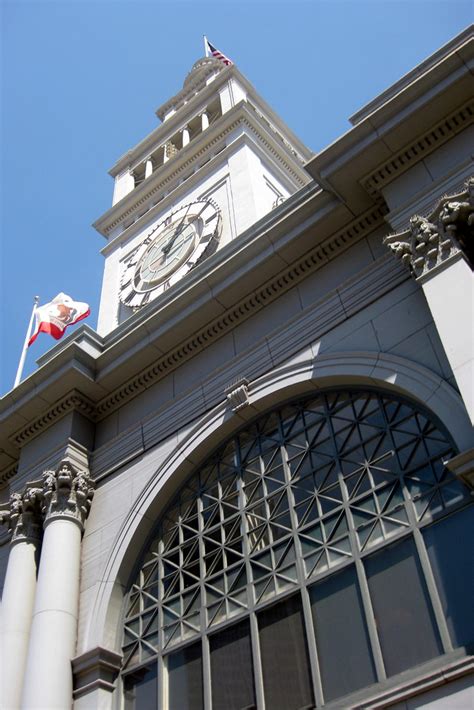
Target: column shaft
[17, 610]
[48, 676]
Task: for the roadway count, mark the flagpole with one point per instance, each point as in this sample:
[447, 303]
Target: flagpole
[21, 364]
[206, 47]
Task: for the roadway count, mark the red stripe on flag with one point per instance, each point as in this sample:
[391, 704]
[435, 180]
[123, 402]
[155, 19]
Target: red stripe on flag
[53, 330]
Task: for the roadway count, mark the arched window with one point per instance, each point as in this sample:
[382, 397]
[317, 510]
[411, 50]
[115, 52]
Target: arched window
[314, 554]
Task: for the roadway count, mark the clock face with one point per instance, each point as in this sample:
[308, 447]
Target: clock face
[170, 251]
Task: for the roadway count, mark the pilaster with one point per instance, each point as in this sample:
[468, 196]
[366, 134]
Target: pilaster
[439, 251]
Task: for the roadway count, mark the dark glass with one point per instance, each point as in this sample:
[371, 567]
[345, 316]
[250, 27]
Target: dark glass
[231, 668]
[185, 679]
[140, 689]
[402, 609]
[345, 657]
[285, 663]
[452, 560]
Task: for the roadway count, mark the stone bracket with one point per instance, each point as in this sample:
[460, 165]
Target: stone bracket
[237, 394]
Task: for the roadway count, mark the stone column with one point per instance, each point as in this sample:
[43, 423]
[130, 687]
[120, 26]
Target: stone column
[24, 521]
[185, 136]
[439, 251]
[148, 167]
[48, 676]
[204, 121]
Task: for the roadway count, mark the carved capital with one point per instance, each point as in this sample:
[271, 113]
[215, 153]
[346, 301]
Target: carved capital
[433, 241]
[22, 515]
[67, 493]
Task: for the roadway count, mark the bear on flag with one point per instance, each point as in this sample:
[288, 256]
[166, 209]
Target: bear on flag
[54, 317]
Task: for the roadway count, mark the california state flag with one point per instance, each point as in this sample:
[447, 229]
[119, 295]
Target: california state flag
[54, 317]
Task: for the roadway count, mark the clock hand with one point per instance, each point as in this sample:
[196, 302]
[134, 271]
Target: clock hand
[178, 230]
[168, 246]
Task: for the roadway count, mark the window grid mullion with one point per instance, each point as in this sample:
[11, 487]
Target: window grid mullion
[254, 633]
[162, 673]
[298, 431]
[360, 570]
[301, 576]
[204, 638]
[428, 573]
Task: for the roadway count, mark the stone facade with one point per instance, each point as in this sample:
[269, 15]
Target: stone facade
[350, 270]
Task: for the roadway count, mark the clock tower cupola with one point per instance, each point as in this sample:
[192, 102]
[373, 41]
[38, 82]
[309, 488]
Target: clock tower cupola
[219, 161]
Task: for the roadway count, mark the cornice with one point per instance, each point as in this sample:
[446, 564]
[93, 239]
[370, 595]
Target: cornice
[164, 363]
[455, 46]
[424, 144]
[74, 401]
[247, 307]
[160, 180]
[193, 106]
[8, 473]
[262, 147]
[166, 129]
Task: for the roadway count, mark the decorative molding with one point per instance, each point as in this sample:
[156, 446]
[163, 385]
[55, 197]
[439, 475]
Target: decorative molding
[313, 260]
[462, 466]
[317, 320]
[8, 473]
[193, 83]
[428, 142]
[237, 394]
[148, 189]
[96, 669]
[22, 514]
[431, 242]
[68, 494]
[74, 401]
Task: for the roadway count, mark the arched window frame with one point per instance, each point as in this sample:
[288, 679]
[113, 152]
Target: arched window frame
[413, 528]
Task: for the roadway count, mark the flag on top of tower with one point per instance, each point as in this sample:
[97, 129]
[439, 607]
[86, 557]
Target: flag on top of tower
[54, 317]
[213, 52]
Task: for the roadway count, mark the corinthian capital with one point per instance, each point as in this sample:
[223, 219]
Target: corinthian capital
[433, 241]
[22, 515]
[67, 493]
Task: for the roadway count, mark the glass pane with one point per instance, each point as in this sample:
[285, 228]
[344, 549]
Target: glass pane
[285, 664]
[185, 679]
[453, 566]
[402, 608]
[140, 689]
[344, 653]
[231, 668]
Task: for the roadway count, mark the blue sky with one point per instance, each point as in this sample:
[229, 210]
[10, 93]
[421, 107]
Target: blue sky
[81, 79]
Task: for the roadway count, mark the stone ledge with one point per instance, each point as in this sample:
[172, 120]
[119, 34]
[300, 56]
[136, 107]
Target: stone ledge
[94, 669]
[427, 681]
[462, 466]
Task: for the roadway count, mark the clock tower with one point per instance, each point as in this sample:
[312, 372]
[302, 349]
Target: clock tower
[220, 160]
